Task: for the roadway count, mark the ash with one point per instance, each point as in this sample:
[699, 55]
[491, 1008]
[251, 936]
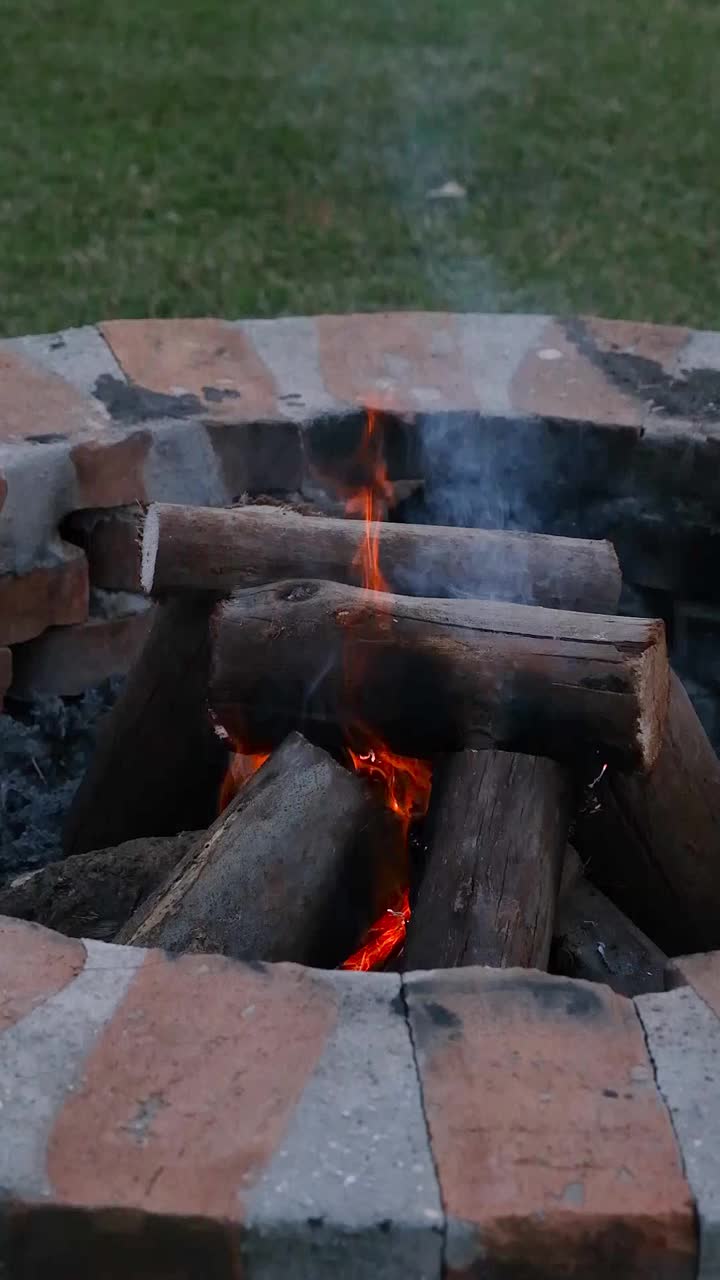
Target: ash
[45, 747]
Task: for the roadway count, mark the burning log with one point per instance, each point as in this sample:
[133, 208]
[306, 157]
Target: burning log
[497, 829]
[191, 548]
[595, 941]
[653, 844]
[91, 895]
[436, 675]
[158, 764]
[281, 873]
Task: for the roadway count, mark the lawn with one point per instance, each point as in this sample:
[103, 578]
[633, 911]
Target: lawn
[241, 157]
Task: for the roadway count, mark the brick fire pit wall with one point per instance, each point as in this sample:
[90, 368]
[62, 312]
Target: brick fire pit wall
[583, 427]
[174, 1118]
[177, 1118]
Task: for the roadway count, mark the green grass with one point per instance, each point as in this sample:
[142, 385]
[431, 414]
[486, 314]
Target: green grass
[242, 157]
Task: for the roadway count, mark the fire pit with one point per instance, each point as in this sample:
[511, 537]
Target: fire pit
[394, 596]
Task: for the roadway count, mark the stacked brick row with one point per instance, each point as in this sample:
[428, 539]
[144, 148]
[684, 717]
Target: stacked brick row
[592, 427]
[195, 1116]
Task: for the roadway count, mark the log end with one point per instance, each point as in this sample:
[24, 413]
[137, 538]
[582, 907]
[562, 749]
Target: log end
[150, 543]
[653, 685]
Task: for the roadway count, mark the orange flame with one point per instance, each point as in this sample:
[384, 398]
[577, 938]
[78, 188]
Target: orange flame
[370, 504]
[240, 770]
[405, 782]
[406, 787]
[383, 937]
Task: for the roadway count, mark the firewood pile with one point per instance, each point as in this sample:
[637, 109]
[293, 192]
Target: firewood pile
[388, 745]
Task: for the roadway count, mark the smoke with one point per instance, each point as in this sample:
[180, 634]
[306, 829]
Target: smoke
[485, 472]
[480, 470]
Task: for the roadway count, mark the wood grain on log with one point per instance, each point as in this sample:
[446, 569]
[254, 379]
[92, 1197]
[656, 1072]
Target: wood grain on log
[436, 675]
[653, 843]
[189, 548]
[496, 833]
[91, 895]
[279, 876]
[158, 763]
[594, 940]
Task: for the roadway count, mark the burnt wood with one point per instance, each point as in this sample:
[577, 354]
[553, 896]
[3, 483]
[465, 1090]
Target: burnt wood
[5, 672]
[653, 844]
[279, 875]
[496, 833]
[436, 675]
[91, 895]
[190, 548]
[594, 940]
[158, 763]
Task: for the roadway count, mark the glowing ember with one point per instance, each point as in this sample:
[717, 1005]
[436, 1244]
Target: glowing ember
[239, 771]
[405, 782]
[384, 937]
[406, 787]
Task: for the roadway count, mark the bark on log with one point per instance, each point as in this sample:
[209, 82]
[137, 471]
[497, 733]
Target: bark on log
[158, 763]
[496, 831]
[595, 941]
[436, 675]
[93, 894]
[653, 844]
[190, 548]
[279, 876]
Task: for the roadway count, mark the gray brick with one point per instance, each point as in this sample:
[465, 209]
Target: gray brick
[683, 1037]
[42, 1056]
[493, 347]
[41, 489]
[352, 1190]
[289, 348]
[80, 356]
[182, 466]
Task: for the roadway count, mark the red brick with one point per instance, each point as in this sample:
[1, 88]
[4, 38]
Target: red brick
[393, 361]
[45, 597]
[110, 472]
[111, 542]
[190, 1088]
[35, 964]
[66, 660]
[702, 973]
[550, 1139]
[5, 673]
[570, 385]
[206, 358]
[36, 403]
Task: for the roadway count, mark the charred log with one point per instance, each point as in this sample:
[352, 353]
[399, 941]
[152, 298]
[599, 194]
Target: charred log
[280, 874]
[196, 548]
[496, 831]
[434, 675]
[653, 843]
[91, 895]
[596, 941]
[158, 763]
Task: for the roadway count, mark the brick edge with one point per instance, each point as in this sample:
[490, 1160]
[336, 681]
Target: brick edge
[407, 1239]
